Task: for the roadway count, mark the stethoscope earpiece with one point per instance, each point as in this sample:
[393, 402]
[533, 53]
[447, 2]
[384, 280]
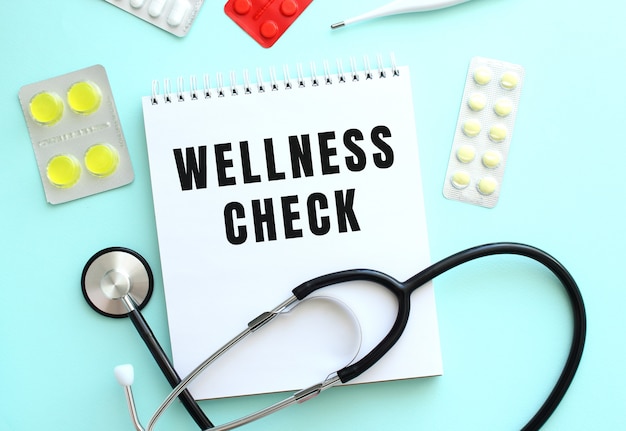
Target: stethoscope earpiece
[124, 374]
[115, 273]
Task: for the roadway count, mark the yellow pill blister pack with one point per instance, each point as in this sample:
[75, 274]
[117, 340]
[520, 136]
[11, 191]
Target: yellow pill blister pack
[483, 132]
[76, 135]
[173, 16]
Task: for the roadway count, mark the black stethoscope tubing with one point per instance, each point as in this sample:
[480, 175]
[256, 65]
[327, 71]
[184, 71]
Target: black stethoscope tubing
[167, 368]
[403, 291]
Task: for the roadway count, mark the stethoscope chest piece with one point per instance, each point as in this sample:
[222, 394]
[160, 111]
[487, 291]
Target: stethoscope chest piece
[115, 273]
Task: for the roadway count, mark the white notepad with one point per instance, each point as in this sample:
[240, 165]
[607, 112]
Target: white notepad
[261, 184]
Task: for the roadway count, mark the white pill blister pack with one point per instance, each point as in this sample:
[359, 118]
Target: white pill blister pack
[483, 132]
[173, 16]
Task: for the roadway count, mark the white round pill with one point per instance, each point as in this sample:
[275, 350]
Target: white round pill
[491, 159]
[487, 186]
[509, 80]
[471, 128]
[503, 107]
[466, 153]
[460, 180]
[477, 102]
[497, 133]
[482, 75]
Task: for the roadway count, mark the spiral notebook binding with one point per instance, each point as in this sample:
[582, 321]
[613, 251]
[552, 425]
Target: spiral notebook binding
[207, 86]
[314, 81]
[193, 87]
[219, 89]
[368, 69]
[287, 78]
[155, 92]
[300, 75]
[167, 91]
[259, 81]
[340, 73]
[273, 80]
[381, 68]
[233, 84]
[180, 96]
[327, 76]
[246, 82]
[356, 73]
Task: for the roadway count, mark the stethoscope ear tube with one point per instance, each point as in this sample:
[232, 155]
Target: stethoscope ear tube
[402, 291]
[391, 284]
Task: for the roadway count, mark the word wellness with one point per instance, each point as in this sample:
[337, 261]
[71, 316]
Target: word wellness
[191, 165]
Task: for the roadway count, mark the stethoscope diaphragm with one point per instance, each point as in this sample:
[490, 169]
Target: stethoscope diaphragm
[112, 274]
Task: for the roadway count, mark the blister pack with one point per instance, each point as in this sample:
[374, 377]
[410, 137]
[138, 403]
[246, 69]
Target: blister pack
[76, 134]
[264, 20]
[173, 16]
[483, 132]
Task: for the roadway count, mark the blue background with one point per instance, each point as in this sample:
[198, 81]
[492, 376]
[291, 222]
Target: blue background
[505, 323]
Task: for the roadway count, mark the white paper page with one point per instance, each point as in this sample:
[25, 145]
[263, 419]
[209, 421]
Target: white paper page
[214, 287]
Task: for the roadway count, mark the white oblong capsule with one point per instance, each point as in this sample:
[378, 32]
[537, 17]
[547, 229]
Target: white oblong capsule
[178, 12]
[137, 3]
[156, 8]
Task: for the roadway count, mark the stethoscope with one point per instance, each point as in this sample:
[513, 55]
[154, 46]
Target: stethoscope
[118, 282]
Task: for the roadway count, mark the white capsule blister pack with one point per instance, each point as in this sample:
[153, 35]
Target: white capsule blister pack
[173, 16]
[76, 134]
[483, 132]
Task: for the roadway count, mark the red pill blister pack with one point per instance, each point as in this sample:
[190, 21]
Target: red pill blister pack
[265, 20]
